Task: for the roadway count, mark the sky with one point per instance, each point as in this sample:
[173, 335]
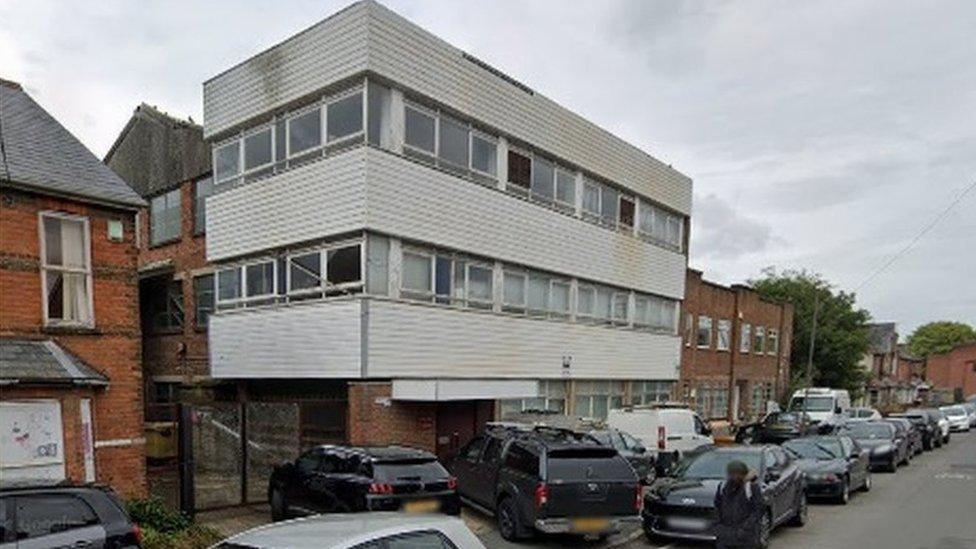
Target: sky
[820, 135]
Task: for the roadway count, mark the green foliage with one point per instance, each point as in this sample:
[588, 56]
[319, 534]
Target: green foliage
[152, 513]
[841, 336]
[194, 537]
[939, 337]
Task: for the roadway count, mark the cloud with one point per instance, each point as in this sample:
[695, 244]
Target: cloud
[722, 232]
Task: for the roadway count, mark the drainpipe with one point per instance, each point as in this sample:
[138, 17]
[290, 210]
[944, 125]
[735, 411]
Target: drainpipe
[733, 350]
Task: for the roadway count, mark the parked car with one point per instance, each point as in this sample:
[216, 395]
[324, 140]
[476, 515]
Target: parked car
[549, 480]
[958, 418]
[943, 425]
[631, 449]
[881, 440]
[346, 479]
[903, 438]
[65, 516]
[927, 423]
[668, 433]
[683, 506]
[834, 465]
[363, 531]
[864, 414]
[779, 427]
[913, 433]
[971, 410]
[823, 405]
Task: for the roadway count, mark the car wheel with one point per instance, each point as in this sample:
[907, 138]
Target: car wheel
[866, 487]
[765, 530]
[893, 466]
[279, 506]
[509, 525]
[845, 492]
[802, 511]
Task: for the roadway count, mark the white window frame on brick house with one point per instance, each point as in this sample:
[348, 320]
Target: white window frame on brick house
[88, 320]
[723, 341]
[772, 341]
[704, 323]
[745, 338]
[552, 397]
[759, 340]
[689, 328]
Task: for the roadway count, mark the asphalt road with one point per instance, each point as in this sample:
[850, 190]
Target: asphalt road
[931, 504]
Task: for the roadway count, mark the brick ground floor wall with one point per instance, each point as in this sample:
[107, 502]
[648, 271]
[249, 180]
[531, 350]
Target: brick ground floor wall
[374, 418]
[119, 460]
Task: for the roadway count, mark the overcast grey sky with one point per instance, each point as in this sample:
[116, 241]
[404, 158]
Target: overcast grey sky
[820, 135]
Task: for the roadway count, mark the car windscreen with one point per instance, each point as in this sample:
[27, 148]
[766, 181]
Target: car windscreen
[782, 417]
[954, 411]
[586, 464]
[808, 448]
[408, 470]
[711, 465]
[812, 404]
[870, 430]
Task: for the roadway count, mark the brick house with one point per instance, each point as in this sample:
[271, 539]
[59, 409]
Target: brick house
[889, 368]
[735, 353]
[953, 372]
[70, 377]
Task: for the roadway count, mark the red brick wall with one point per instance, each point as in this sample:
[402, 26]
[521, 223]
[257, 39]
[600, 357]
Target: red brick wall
[954, 370]
[375, 419]
[114, 345]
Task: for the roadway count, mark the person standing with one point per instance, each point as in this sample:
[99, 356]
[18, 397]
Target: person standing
[739, 508]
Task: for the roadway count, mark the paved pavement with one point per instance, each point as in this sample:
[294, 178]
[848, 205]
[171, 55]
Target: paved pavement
[931, 504]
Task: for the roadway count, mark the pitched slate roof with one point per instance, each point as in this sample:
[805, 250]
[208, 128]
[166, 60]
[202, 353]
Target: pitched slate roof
[41, 154]
[43, 362]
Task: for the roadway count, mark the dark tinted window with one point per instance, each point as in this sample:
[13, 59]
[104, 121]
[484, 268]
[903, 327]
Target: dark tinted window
[522, 460]
[422, 470]
[50, 514]
[7, 520]
[308, 462]
[493, 453]
[587, 463]
[519, 169]
[711, 465]
[472, 451]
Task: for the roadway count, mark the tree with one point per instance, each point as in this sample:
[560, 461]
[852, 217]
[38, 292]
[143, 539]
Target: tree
[939, 337]
[841, 336]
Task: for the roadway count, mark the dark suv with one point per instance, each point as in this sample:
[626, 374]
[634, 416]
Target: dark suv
[63, 516]
[927, 423]
[343, 479]
[548, 480]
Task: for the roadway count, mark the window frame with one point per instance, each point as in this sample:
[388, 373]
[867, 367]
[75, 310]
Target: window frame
[723, 325]
[772, 341]
[244, 300]
[200, 210]
[759, 340]
[698, 332]
[434, 157]
[167, 239]
[325, 290]
[330, 100]
[196, 300]
[745, 338]
[46, 268]
[271, 129]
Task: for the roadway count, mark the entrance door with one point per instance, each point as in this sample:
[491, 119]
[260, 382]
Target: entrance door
[458, 422]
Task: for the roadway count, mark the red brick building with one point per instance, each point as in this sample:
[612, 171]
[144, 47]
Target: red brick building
[954, 372]
[70, 377]
[735, 349]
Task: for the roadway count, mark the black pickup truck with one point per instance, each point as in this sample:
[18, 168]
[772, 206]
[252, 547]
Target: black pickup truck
[549, 480]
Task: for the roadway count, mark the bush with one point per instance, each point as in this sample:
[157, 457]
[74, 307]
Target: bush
[193, 537]
[152, 514]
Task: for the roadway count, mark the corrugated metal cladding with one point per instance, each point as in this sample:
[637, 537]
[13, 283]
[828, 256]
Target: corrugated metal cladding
[423, 341]
[391, 46]
[320, 340]
[374, 190]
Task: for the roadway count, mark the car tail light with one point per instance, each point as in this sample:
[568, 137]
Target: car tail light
[662, 437]
[137, 533]
[452, 483]
[380, 488]
[541, 495]
[639, 501]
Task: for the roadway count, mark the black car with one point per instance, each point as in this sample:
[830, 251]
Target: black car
[630, 448]
[912, 432]
[834, 466]
[548, 480]
[344, 479]
[881, 440]
[928, 424]
[63, 516]
[683, 506]
[903, 434]
[779, 427]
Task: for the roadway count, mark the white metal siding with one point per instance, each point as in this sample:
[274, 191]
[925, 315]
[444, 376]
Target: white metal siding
[313, 340]
[413, 201]
[369, 36]
[313, 201]
[416, 341]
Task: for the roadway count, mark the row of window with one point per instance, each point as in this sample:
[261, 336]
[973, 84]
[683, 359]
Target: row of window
[760, 341]
[442, 140]
[165, 213]
[592, 399]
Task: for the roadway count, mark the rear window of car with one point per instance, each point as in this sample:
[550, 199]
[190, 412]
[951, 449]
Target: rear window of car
[870, 430]
[409, 470]
[40, 515]
[586, 463]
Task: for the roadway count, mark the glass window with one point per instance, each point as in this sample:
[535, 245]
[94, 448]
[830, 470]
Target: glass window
[745, 338]
[542, 179]
[609, 199]
[586, 301]
[704, 339]
[444, 278]
[514, 290]
[627, 211]
[380, 121]
[604, 304]
[344, 265]
[591, 198]
[759, 345]
[519, 169]
[689, 328]
[724, 335]
[484, 154]
[281, 146]
[621, 301]
[537, 296]
[772, 337]
[641, 311]
[344, 117]
[203, 298]
[453, 142]
[559, 298]
[378, 264]
[566, 188]
[257, 149]
[227, 161]
[522, 460]
[229, 284]
[305, 272]
[66, 270]
[420, 129]
[43, 515]
[417, 273]
[164, 217]
[479, 286]
[674, 230]
[260, 279]
[305, 131]
[202, 189]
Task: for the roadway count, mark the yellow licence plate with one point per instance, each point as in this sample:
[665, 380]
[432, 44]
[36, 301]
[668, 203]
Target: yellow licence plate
[591, 524]
[422, 506]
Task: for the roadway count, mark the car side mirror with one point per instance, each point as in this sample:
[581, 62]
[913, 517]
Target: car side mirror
[639, 449]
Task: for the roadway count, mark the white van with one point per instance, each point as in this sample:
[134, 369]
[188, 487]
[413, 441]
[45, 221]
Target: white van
[662, 430]
[823, 405]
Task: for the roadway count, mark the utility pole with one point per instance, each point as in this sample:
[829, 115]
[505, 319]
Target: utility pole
[813, 336]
